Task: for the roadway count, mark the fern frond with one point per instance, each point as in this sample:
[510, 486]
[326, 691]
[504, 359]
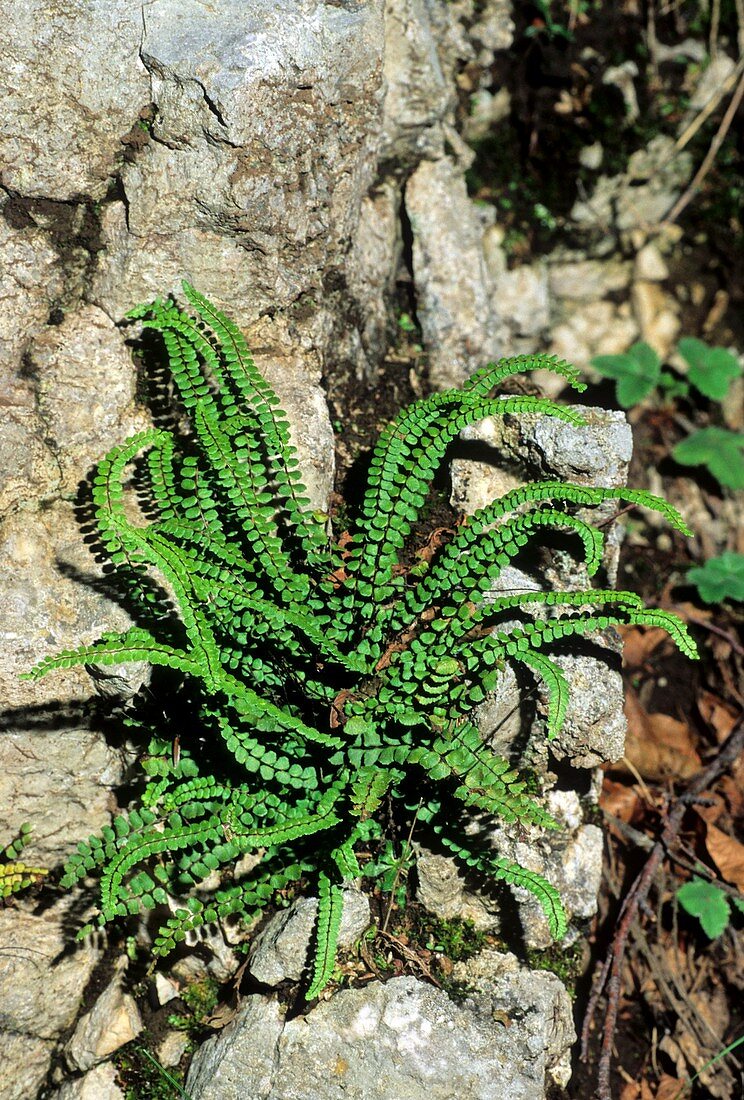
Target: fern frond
[487, 378]
[513, 875]
[134, 644]
[330, 911]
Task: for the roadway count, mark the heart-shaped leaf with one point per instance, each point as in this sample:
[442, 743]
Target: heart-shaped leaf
[711, 369]
[720, 578]
[636, 372]
[720, 450]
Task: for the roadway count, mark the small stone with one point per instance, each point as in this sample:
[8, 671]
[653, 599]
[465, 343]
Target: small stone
[590, 156]
[165, 989]
[113, 1022]
[650, 265]
[172, 1048]
[280, 951]
[100, 1083]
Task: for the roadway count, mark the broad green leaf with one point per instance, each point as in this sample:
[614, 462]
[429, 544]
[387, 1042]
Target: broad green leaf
[711, 369]
[720, 578]
[720, 450]
[636, 372]
[705, 901]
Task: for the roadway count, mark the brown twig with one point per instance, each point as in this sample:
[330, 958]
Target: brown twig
[689, 194]
[611, 973]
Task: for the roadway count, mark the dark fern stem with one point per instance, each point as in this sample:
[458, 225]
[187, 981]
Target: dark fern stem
[329, 674]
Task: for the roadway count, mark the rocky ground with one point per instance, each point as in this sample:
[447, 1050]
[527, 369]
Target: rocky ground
[554, 177]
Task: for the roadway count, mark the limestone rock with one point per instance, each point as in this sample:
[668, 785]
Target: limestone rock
[74, 86]
[454, 302]
[85, 386]
[99, 1083]
[534, 1001]
[42, 982]
[172, 1048]
[571, 860]
[30, 284]
[588, 280]
[658, 316]
[264, 144]
[398, 1041]
[113, 1022]
[280, 950]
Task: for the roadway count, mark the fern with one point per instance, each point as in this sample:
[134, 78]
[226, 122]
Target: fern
[322, 678]
[15, 874]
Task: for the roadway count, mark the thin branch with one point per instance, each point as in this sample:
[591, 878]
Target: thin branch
[689, 194]
[611, 973]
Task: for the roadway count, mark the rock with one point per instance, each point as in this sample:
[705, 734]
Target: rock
[650, 265]
[712, 78]
[74, 87]
[42, 981]
[165, 990]
[533, 1001]
[265, 141]
[658, 316]
[99, 1083]
[590, 156]
[622, 76]
[593, 328]
[398, 1041]
[571, 860]
[113, 1022]
[280, 950]
[588, 280]
[454, 301]
[85, 386]
[640, 197]
[30, 284]
[522, 299]
[172, 1048]
[417, 97]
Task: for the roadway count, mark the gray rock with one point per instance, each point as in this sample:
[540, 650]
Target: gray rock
[85, 387]
[41, 986]
[99, 1083]
[589, 280]
[172, 1048]
[112, 1022]
[264, 144]
[30, 283]
[643, 195]
[74, 86]
[453, 290]
[570, 859]
[398, 1041]
[280, 951]
[534, 1002]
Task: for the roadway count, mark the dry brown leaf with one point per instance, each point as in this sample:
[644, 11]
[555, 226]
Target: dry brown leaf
[719, 715]
[639, 644]
[631, 1090]
[669, 1088]
[712, 808]
[658, 746]
[728, 855]
[621, 801]
[733, 792]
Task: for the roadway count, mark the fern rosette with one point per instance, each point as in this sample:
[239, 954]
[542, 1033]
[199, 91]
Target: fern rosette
[326, 679]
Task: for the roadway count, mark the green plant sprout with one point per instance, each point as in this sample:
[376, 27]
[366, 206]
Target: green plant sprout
[328, 682]
[709, 904]
[720, 578]
[638, 372]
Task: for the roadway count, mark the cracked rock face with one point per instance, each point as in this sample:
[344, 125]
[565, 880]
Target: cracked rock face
[398, 1041]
